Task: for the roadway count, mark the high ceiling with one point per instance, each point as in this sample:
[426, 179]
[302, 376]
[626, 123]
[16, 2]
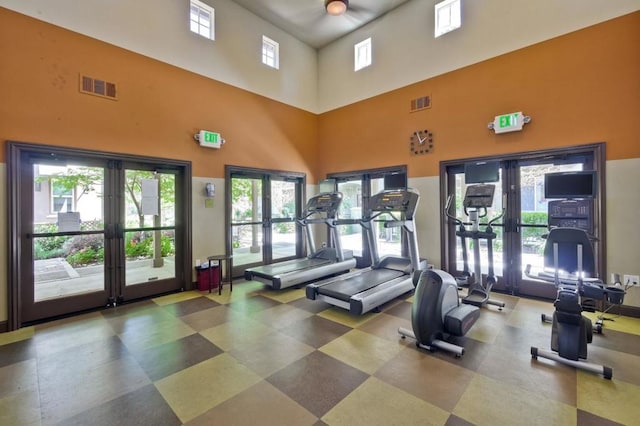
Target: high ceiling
[308, 21]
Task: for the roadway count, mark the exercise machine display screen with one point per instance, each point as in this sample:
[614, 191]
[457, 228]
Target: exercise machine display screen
[479, 196]
[482, 172]
[569, 185]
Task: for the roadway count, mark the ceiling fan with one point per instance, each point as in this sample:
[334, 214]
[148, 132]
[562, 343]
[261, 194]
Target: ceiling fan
[336, 7]
[344, 8]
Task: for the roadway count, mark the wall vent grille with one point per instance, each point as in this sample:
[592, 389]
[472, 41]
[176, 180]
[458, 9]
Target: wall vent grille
[421, 103]
[97, 87]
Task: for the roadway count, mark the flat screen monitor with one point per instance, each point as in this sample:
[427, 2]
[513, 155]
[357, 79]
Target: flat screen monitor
[395, 181]
[327, 185]
[481, 172]
[563, 185]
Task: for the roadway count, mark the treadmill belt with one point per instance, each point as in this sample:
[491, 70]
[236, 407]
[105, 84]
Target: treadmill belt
[286, 267]
[344, 289]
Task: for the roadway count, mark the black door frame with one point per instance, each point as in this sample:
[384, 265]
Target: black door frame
[511, 227]
[18, 229]
[266, 176]
[365, 177]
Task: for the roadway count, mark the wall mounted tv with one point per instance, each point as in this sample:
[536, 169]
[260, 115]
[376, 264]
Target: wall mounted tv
[327, 185]
[481, 172]
[395, 181]
[563, 185]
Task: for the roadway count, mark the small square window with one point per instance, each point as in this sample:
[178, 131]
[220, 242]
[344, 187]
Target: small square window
[447, 16]
[202, 19]
[270, 52]
[362, 54]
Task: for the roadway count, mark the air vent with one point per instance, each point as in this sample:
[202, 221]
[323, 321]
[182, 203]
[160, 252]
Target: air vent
[420, 103]
[97, 87]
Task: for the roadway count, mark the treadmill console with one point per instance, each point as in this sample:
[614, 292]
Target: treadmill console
[327, 202]
[395, 200]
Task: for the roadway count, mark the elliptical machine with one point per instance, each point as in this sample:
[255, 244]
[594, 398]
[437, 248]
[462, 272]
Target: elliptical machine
[477, 199]
[436, 312]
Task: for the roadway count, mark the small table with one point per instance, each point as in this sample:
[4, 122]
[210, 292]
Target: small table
[229, 267]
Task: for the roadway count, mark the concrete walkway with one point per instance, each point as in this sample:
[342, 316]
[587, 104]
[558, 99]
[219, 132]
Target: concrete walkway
[56, 278]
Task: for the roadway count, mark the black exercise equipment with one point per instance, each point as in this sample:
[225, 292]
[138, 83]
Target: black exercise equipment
[388, 276]
[327, 261]
[437, 313]
[477, 199]
[570, 250]
[614, 295]
[574, 214]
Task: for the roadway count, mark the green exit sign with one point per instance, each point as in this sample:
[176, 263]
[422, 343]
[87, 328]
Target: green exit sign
[511, 122]
[209, 139]
[508, 120]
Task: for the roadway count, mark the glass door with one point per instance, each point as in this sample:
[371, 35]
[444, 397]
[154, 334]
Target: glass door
[263, 206]
[498, 244]
[531, 219]
[389, 240]
[356, 188]
[285, 233]
[350, 213]
[519, 241]
[91, 229]
[147, 247]
[65, 248]
[247, 223]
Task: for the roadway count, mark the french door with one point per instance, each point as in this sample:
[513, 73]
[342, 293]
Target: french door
[520, 194]
[356, 188]
[147, 242]
[262, 208]
[90, 229]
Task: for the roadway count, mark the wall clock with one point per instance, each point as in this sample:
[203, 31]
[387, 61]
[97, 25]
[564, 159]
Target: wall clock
[421, 142]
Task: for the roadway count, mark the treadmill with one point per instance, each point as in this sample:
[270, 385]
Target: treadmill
[387, 277]
[319, 263]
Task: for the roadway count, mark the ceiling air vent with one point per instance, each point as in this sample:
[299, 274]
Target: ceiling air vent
[420, 103]
[97, 87]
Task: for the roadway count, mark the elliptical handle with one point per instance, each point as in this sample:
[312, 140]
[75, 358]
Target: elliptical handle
[448, 207]
[504, 209]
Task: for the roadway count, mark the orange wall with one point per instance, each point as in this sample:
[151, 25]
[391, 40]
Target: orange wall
[159, 107]
[579, 88]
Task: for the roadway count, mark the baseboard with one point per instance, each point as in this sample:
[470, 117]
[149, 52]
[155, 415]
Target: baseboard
[629, 311]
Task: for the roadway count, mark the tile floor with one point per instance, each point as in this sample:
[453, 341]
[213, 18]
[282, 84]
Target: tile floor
[263, 357]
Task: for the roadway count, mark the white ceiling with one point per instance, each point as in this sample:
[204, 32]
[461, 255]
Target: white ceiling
[308, 21]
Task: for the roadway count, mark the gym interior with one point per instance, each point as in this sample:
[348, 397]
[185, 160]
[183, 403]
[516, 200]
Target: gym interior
[152, 321]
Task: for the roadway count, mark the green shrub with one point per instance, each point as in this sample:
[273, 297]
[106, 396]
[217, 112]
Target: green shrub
[167, 247]
[140, 244]
[40, 253]
[284, 228]
[86, 256]
[532, 237]
[48, 247]
[83, 250]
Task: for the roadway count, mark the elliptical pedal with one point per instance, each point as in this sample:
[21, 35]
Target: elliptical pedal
[475, 299]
